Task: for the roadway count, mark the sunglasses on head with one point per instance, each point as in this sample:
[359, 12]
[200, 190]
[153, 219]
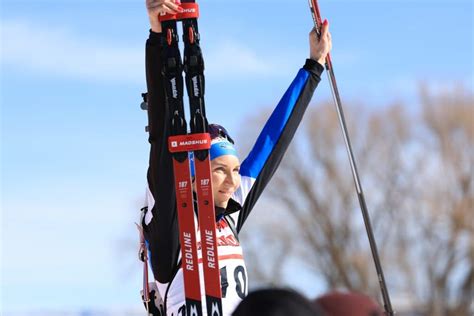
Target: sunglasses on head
[215, 130]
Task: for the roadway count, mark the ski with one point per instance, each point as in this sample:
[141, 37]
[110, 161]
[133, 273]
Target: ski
[172, 72]
[180, 143]
[194, 69]
[316, 14]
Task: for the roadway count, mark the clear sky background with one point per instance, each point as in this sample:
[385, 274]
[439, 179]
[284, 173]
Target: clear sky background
[73, 146]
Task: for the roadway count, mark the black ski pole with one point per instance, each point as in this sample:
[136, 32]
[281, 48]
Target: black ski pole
[360, 194]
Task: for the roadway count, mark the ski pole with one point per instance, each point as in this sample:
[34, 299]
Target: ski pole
[360, 194]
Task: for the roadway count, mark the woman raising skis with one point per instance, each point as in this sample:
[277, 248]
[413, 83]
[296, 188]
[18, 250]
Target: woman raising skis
[236, 186]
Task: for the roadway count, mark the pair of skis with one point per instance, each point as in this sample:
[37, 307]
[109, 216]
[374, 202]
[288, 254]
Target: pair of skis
[180, 143]
[313, 4]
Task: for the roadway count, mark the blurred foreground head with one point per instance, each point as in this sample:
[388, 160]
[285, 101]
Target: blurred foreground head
[276, 302]
[348, 304]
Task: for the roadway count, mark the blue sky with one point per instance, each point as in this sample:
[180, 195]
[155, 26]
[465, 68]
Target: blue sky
[73, 147]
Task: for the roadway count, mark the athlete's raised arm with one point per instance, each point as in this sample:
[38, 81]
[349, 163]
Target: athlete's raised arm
[265, 157]
[160, 222]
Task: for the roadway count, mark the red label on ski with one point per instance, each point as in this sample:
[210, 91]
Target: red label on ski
[187, 230]
[189, 142]
[190, 11]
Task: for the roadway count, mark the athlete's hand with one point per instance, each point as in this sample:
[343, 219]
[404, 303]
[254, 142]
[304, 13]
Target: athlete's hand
[320, 47]
[158, 7]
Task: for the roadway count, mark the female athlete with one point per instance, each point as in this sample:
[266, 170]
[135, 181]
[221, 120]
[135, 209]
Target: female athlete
[236, 184]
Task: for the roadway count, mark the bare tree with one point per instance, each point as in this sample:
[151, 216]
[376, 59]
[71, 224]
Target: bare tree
[416, 170]
[445, 213]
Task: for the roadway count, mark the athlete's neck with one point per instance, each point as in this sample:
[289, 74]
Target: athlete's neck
[221, 204]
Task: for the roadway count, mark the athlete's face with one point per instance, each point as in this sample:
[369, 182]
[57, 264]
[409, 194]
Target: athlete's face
[225, 178]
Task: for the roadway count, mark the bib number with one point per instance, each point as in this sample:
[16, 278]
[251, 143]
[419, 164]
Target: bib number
[240, 278]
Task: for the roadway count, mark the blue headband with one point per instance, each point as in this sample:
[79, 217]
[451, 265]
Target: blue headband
[222, 147]
[219, 147]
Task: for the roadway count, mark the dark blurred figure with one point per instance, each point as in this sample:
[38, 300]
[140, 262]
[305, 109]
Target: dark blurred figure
[348, 304]
[276, 302]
